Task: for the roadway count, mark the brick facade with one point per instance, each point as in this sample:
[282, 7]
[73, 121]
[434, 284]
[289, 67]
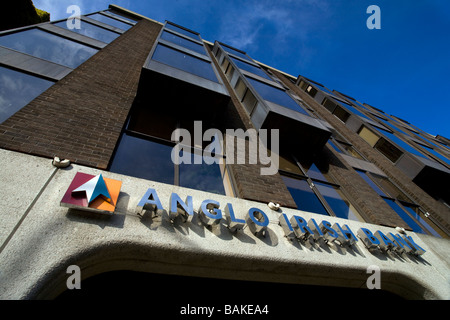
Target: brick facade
[81, 117]
[377, 211]
[250, 184]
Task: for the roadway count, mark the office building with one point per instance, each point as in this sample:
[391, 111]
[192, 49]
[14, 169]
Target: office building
[354, 187]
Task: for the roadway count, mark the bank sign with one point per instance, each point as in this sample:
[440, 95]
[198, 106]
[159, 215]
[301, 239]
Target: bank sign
[95, 193]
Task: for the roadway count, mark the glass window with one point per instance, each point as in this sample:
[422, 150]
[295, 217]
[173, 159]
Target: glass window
[89, 30]
[184, 61]
[405, 217]
[205, 177]
[436, 154]
[250, 68]
[143, 158]
[240, 88]
[122, 17]
[183, 31]
[371, 183]
[370, 137]
[400, 142]
[389, 150]
[183, 42]
[111, 21]
[48, 46]
[336, 200]
[304, 197]
[17, 89]
[413, 211]
[275, 95]
[235, 52]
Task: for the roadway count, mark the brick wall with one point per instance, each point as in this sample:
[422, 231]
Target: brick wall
[250, 184]
[80, 117]
[377, 211]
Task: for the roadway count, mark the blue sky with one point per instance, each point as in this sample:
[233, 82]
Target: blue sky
[401, 68]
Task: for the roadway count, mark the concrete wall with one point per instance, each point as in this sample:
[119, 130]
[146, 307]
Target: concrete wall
[40, 239]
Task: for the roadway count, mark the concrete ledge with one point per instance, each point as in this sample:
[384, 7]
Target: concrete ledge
[33, 264]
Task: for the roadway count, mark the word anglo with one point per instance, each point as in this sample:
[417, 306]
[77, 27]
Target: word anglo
[294, 227]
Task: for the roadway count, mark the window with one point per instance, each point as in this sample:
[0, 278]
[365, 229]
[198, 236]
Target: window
[121, 17]
[17, 89]
[48, 46]
[145, 150]
[400, 203]
[275, 95]
[235, 52]
[346, 148]
[184, 61]
[111, 21]
[309, 89]
[191, 45]
[313, 190]
[89, 30]
[250, 68]
[304, 197]
[182, 31]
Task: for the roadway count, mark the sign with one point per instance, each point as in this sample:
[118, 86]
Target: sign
[295, 227]
[99, 194]
[92, 193]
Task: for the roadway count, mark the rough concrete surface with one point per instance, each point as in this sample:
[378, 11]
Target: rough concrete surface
[49, 238]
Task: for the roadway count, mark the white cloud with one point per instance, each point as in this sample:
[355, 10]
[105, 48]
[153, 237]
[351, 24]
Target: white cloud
[243, 25]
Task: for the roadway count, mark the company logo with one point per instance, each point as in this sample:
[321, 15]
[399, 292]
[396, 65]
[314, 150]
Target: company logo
[92, 193]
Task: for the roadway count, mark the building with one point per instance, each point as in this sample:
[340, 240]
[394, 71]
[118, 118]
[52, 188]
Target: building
[353, 187]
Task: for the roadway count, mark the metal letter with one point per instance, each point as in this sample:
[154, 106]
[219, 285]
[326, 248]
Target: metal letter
[149, 201]
[180, 208]
[301, 229]
[209, 218]
[257, 221]
[233, 223]
[368, 238]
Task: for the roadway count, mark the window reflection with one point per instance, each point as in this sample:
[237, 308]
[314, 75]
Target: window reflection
[91, 31]
[250, 68]
[182, 31]
[183, 42]
[304, 197]
[184, 61]
[143, 158]
[17, 89]
[335, 199]
[48, 46]
[275, 95]
[111, 21]
[205, 177]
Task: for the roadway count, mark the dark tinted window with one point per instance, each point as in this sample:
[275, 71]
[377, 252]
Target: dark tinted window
[184, 62]
[275, 95]
[402, 214]
[304, 197]
[144, 159]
